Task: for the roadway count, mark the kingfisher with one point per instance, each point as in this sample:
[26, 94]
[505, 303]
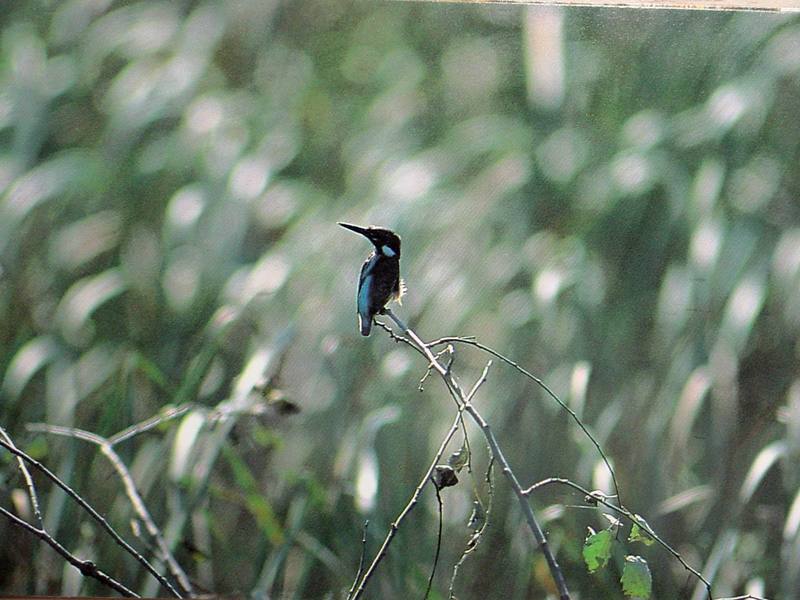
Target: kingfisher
[379, 282]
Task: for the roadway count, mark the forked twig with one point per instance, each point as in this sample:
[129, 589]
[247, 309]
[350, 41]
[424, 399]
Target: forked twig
[107, 449]
[470, 341]
[28, 482]
[621, 510]
[86, 567]
[465, 403]
[93, 513]
[417, 491]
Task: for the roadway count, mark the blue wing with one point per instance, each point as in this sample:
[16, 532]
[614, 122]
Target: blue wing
[365, 284]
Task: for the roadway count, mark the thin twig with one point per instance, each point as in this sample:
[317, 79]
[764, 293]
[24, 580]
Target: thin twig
[471, 341]
[86, 567]
[148, 424]
[472, 544]
[37, 513]
[451, 356]
[131, 491]
[360, 560]
[429, 370]
[403, 340]
[621, 510]
[417, 491]
[438, 542]
[93, 513]
[527, 511]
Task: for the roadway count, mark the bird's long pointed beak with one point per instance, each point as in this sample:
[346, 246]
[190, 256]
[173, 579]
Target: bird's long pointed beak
[356, 228]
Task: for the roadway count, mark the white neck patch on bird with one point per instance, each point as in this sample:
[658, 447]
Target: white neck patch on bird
[386, 251]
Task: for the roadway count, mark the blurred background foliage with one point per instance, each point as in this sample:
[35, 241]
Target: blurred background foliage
[608, 196]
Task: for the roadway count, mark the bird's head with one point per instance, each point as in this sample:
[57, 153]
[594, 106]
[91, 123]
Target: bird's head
[386, 241]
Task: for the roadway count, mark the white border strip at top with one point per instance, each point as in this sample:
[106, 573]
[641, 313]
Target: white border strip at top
[753, 5]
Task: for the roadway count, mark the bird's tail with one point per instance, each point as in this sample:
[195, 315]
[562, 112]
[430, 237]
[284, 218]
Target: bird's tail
[365, 325]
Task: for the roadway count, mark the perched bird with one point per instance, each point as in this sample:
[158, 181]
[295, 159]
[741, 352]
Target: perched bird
[380, 280]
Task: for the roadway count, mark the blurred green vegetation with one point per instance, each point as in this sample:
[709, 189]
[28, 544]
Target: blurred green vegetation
[610, 197]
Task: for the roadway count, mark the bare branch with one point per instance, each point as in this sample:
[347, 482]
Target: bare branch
[438, 542]
[621, 510]
[148, 424]
[418, 490]
[131, 491]
[93, 513]
[475, 538]
[471, 341]
[360, 560]
[37, 513]
[466, 404]
[86, 567]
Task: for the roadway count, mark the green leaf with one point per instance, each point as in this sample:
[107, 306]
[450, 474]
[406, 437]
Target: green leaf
[639, 535]
[261, 510]
[257, 504]
[150, 370]
[597, 550]
[636, 579]
[244, 478]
